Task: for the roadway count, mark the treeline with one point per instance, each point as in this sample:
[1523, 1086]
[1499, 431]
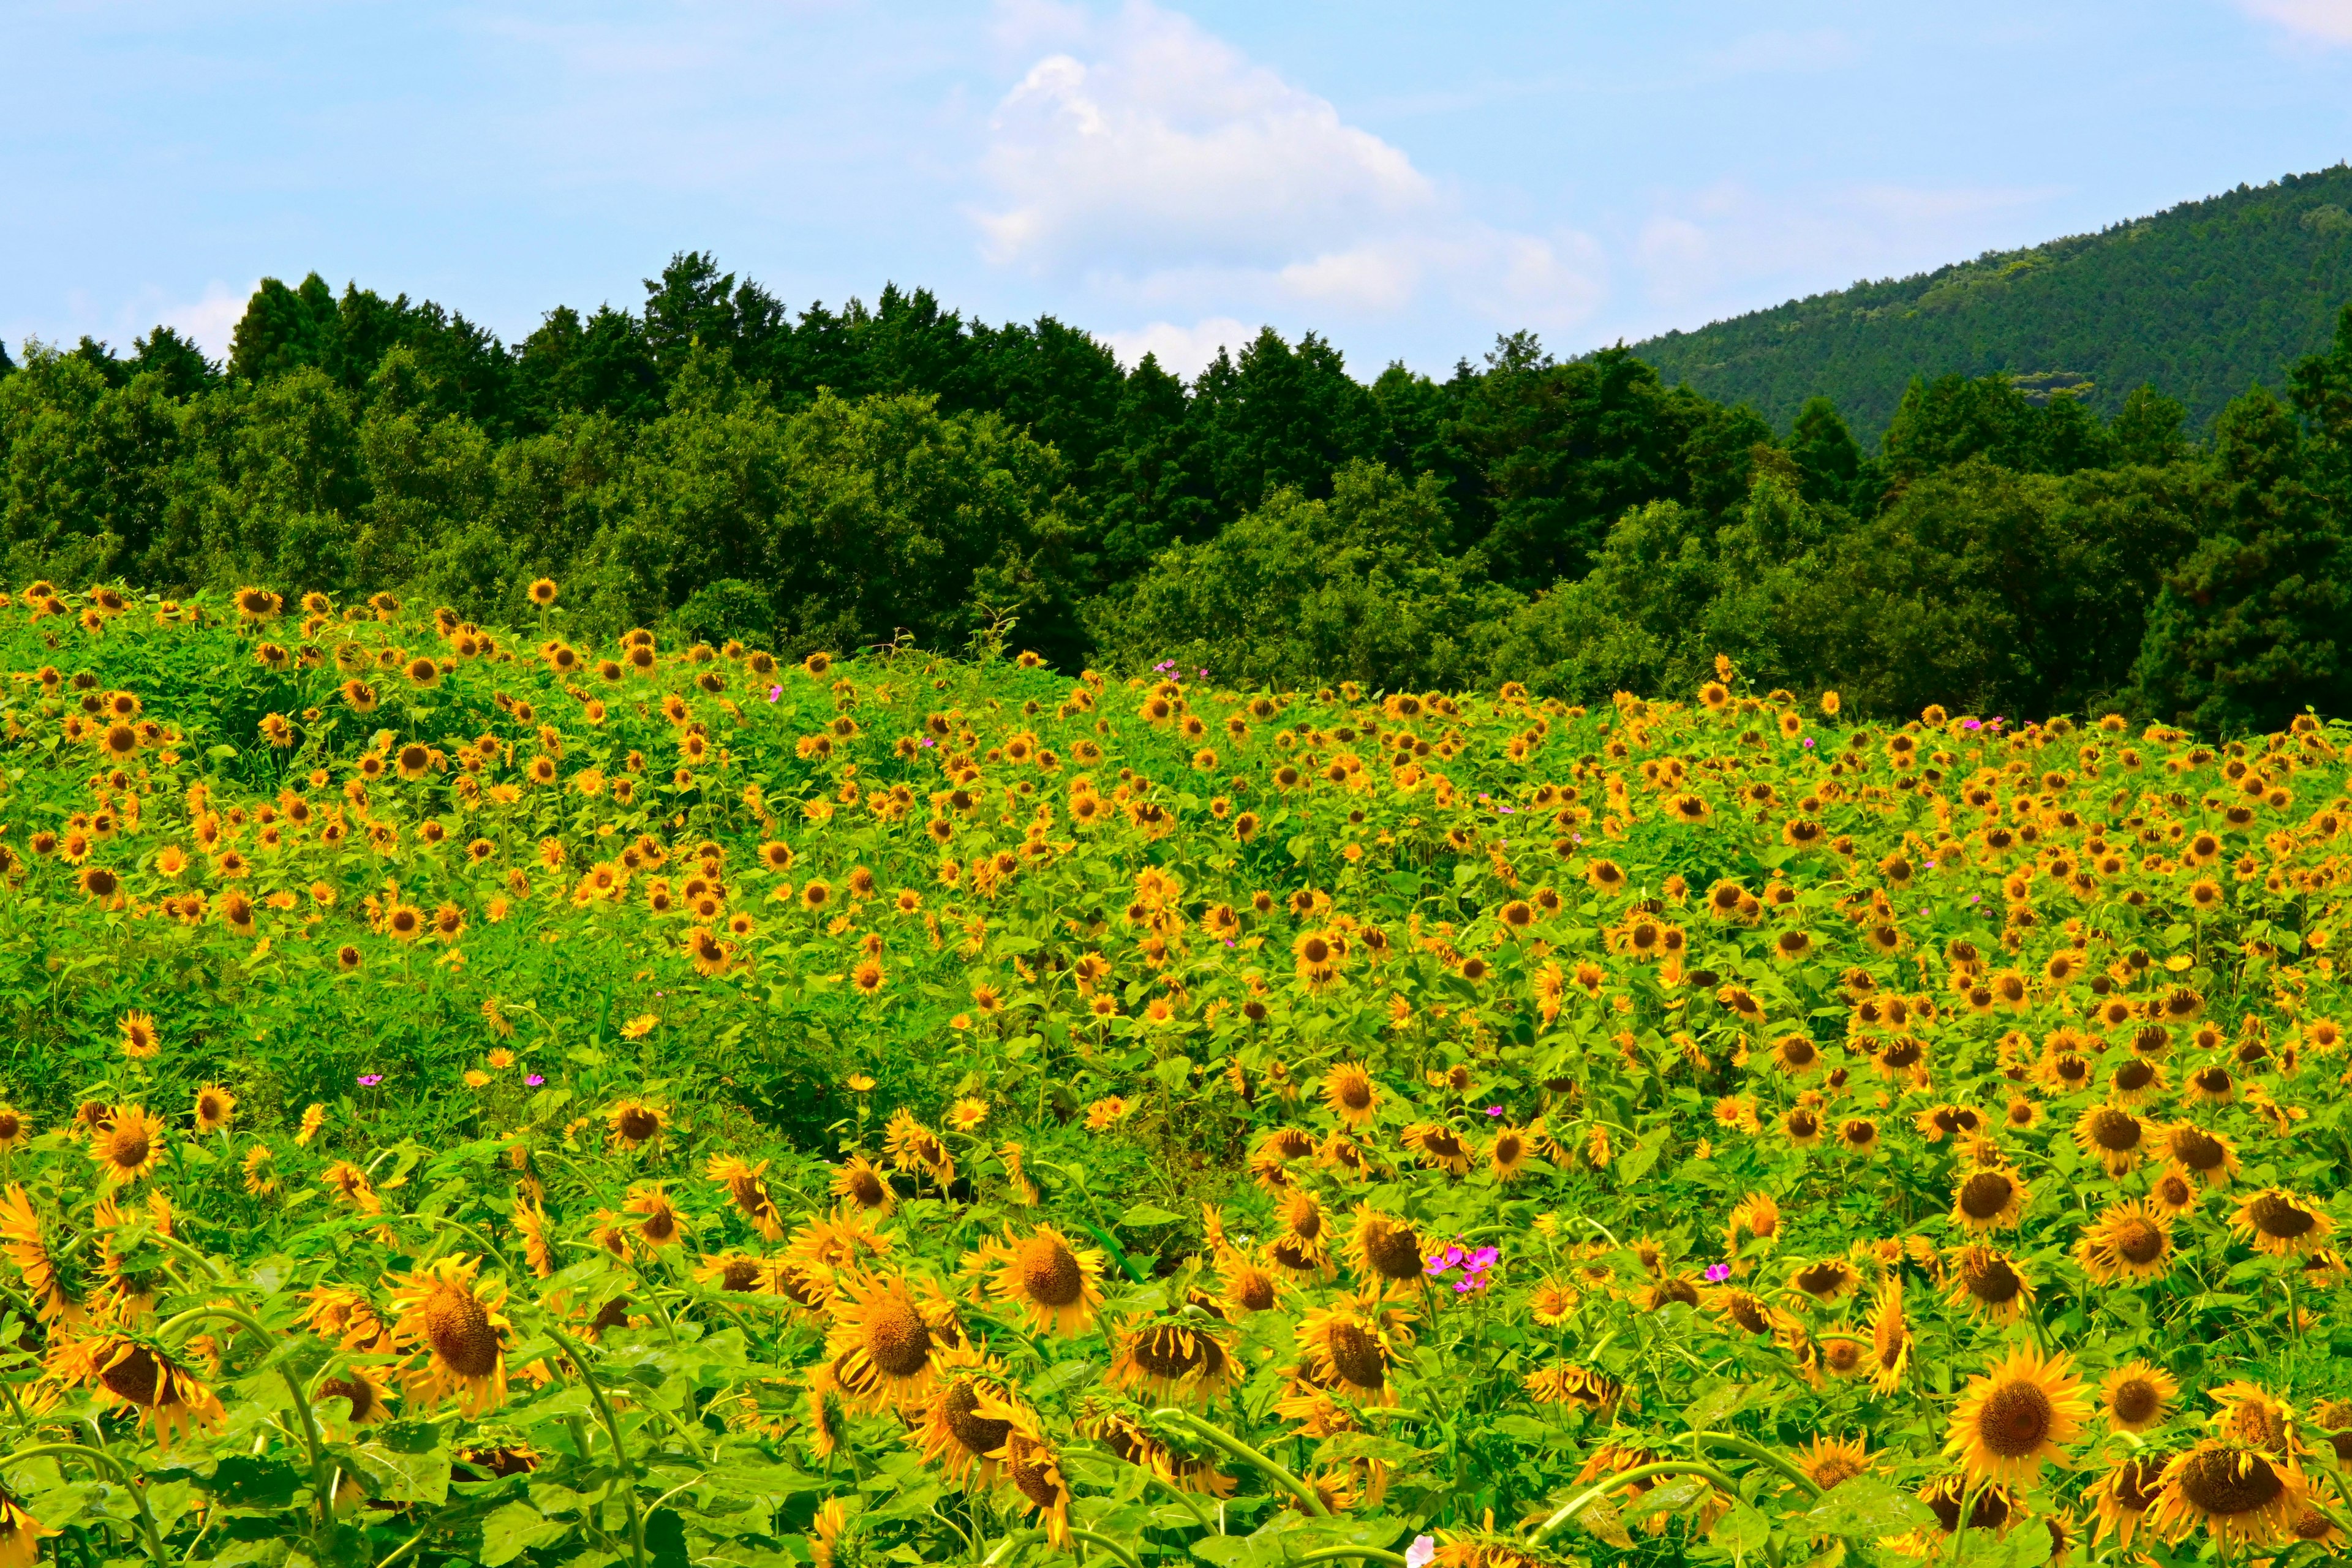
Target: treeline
[713, 465]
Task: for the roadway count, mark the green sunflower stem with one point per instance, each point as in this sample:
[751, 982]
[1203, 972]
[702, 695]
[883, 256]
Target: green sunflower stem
[620, 1448]
[1585, 1499]
[101, 1459]
[1761, 1454]
[322, 1475]
[1209, 1431]
[1335, 1553]
[1107, 1544]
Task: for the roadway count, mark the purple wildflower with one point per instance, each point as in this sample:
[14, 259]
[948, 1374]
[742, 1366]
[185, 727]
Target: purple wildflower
[1717, 1273]
[370, 1079]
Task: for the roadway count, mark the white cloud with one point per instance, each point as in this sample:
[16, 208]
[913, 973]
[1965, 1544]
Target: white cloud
[1777, 52]
[1168, 138]
[2330, 21]
[1183, 351]
[1169, 172]
[211, 322]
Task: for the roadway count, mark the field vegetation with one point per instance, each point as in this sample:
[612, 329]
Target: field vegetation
[512, 1093]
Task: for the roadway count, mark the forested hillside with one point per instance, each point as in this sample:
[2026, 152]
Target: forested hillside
[713, 467]
[2204, 299]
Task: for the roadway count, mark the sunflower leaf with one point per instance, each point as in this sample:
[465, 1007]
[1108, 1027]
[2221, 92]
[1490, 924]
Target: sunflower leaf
[1867, 1507]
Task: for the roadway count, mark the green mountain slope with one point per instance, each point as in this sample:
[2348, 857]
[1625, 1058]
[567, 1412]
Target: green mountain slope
[2202, 300]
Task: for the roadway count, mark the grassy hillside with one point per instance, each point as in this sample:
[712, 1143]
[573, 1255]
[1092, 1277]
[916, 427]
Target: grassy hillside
[2202, 300]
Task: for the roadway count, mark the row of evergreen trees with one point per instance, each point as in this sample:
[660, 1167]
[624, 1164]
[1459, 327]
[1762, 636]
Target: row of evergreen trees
[715, 465]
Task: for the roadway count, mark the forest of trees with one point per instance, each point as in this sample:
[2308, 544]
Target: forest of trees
[714, 465]
[2202, 300]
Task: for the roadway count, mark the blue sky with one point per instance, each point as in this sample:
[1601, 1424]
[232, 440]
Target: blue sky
[1407, 179]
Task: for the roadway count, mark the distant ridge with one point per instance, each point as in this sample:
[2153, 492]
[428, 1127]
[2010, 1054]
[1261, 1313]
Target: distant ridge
[2202, 300]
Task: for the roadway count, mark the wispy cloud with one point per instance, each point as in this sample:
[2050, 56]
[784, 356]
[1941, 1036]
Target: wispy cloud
[2328, 21]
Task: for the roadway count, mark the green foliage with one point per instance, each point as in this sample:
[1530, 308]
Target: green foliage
[2200, 299]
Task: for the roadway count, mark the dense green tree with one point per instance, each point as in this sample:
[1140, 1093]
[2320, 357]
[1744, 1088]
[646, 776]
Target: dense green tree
[1306, 590]
[2250, 627]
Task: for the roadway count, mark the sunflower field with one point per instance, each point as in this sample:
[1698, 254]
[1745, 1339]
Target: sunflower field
[477, 1096]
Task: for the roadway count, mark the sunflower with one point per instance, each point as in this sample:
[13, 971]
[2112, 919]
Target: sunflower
[1987, 1200]
[1843, 1354]
[2137, 1396]
[20, 1534]
[1756, 1217]
[1437, 1147]
[1350, 1345]
[2173, 1192]
[2279, 1222]
[140, 1041]
[739, 1271]
[2128, 1242]
[886, 1341]
[1986, 1283]
[1127, 1433]
[126, 1144]
[1246, 1285]
[2015, 1417]
[2242, 1496]
[968, 1417]
[2206, 1158]
[538, 1241]
[1801, 1128]
[1036, 1474]
[860, 1183]
[1177, 1356]
[2253, 1415]
[2122, 1497]
[1858, 1135]
[2113, 1136]
[25, 1244]
[1830, 1461]
[1351, 1093]
[438, 1309]
[1055, 1284]
[1827, 1282]
[1508, 1153]
[633, 1124]
[215, 1108]
[747, 1189]
[1382, 1250]
[366, 1399]
[660, 1224]
[132, 1372]
[1890, 1337]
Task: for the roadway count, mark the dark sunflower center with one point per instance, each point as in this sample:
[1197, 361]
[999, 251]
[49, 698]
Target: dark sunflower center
[457, 1327]
[613, 1314]
[129, 1149]
[637, 1123]
[2015, 1420]
[1801, 1124]
[2135, 1400]
[2135, 1483]
[1050, 1274]
[1035, 1480]
[1821, 1279]
[136, 1377]
[1356, 1356]
[1254, 1290]
[978, 1435]
[898, 1340]
[1392, 1250]
[742, 1274]
[1994, 1282]
[2139, 1241]
[2133, 1076]
[1172, 1353]
[1985, 1194]
[2227, 1483]
[2115, 1131]
[2197, 1151]
[2275, 1216]
[1508, 1147]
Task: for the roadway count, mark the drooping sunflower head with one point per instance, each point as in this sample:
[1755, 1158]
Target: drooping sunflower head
[660, 1224]
[2204, 1157]
[1351, 1093]
[2120, 1497]
[20, 1534]
[968, 1418]
[440, 1311]
[1987, 1283]
[633, 1124]
[2281, 1223]
[1383, 1249]
[2242, 1496]
[123, 1369]
[1187, 1357]
[1827, 1282]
